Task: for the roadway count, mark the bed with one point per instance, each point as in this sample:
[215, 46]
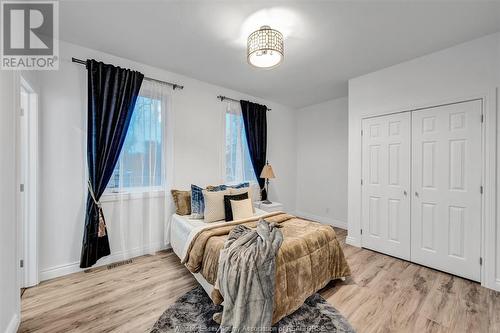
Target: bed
[310, 255]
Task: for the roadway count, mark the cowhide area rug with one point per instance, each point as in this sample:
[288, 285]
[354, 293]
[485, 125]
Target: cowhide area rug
[192, 313]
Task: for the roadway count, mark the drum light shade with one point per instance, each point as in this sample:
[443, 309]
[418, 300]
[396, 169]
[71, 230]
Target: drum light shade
[265, 48]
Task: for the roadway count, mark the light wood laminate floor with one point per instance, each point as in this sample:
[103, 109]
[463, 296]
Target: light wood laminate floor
[384, 295]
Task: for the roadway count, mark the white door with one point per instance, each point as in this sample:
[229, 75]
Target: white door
[386, 184]
[446, 183]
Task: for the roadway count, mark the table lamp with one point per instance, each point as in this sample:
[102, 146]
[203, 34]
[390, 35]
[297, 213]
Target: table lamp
[267, 173]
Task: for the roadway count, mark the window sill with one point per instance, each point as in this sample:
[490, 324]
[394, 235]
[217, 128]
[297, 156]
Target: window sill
[132, 195]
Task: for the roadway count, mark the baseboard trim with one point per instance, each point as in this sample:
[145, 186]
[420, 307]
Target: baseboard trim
[13, 324]
[352, 241]
[496, 285]
[74, 267]
[322, 219]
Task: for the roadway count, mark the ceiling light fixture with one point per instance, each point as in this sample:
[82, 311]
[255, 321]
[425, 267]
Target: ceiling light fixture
[265, 48]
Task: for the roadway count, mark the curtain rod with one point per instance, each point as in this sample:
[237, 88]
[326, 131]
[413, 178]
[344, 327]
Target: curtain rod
[223, 98]
[174, 85]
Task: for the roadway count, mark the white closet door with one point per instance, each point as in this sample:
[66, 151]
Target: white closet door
[386, 184]
[446, 180]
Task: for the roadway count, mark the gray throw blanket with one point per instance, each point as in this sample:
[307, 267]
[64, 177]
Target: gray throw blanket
[246, 277]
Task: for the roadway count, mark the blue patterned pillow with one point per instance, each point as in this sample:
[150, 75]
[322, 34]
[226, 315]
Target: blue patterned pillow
[241, 185]
[197, 201]
[217, 188]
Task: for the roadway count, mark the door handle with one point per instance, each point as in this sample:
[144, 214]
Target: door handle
[416, 194]
[404, 193]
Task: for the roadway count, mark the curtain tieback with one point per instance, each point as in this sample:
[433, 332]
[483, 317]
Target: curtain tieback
[102, 224]
[92, 194]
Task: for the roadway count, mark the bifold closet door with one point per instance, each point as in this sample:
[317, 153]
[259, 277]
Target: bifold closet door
[386, 184]
[446, 182]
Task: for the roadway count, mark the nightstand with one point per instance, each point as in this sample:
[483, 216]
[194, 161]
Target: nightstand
[273, 207]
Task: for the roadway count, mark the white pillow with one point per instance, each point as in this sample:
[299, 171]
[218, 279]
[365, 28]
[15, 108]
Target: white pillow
[214, 205]
[242, 209]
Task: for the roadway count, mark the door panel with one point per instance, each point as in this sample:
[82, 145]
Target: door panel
[386, 183]
[446, 180]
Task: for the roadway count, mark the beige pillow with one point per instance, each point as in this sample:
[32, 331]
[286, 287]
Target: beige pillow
[182, 200]
[256, 192]
[242, 209]
[242, 190]
[214, 205]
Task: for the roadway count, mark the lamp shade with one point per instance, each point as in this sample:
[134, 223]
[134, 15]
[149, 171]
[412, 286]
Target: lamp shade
[267, 172]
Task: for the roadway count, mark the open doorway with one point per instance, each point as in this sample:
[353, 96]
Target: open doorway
[27, 172]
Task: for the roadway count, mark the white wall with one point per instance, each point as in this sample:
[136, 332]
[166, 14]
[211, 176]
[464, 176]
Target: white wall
[135, 225]
[466, 70]
[9, 285]
[322, 162]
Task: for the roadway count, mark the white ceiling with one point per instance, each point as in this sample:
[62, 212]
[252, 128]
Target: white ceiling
[326, 43]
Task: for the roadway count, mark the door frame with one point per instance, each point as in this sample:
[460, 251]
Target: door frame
[490, 234]
[27, 228]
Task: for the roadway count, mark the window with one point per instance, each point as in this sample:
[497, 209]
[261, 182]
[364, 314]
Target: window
[238, 165]
[140, 166]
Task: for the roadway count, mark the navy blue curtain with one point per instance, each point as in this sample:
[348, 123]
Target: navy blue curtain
[112, 93]
[255, 121]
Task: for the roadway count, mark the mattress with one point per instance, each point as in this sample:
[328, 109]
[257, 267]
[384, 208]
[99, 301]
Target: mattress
[182, 228]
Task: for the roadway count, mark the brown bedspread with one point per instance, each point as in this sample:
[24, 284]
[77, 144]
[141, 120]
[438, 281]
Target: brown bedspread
[310, 256]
